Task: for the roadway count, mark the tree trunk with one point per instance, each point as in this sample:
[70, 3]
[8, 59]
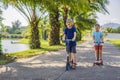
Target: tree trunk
[65, 15]
[45, 35]
[55, 26]
[34, 42]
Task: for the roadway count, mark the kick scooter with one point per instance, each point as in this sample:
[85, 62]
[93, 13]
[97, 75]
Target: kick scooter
[98, 62]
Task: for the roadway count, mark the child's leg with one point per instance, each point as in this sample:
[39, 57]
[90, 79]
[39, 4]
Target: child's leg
[70, 57]
[100, 52]
[96, 53]
[74, 54]
[68, 52]
[74, 58]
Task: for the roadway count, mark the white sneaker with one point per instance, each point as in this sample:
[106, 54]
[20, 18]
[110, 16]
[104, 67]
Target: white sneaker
[96, 62]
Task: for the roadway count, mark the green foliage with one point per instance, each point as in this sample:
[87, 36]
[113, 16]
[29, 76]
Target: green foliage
[0, 45]
[15, 29]
[44, 48]
[109, 29]
[113, 30]
[82, 11]
[26, 32]
[4, 59]
[0, 30]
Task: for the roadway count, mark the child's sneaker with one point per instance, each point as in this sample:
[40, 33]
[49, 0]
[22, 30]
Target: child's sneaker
[96, 62]
[101, 61]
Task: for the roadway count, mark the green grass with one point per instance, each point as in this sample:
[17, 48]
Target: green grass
[44, 48]
[116, 42]
[5, 59]
[32, 52]
[23, 41]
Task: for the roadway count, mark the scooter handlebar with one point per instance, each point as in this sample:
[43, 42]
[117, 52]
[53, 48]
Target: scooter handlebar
[68, 40]
[98, 42]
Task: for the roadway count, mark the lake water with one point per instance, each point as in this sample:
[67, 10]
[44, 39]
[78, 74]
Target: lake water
[9, 46]
[113, 36]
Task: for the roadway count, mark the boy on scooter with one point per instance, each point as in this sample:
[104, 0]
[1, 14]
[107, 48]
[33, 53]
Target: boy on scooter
[70, 34]
[98, 40]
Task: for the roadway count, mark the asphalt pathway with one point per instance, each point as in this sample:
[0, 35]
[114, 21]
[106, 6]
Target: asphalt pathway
[51, 66]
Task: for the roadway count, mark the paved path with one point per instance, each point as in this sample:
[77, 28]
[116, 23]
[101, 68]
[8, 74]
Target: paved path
[51, 66]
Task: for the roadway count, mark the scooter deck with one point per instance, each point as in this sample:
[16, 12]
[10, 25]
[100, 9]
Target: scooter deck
[97, 64]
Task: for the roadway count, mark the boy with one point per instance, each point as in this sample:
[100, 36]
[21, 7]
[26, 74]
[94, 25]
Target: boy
[98, 38]
[70, 33]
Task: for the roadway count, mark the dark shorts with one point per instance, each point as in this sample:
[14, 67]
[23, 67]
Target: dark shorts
[71, 49]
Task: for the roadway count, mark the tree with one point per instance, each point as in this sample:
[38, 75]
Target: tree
[82, 10]
[53, 11]
[16, 26]
[33, 12]
[44, 28]
[0, 30]
[109, 29]
[55, 26]
[15, 29]
[118, 29]
[84, 13]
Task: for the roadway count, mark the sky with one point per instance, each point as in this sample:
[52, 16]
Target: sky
[10, 15]
[114, 10]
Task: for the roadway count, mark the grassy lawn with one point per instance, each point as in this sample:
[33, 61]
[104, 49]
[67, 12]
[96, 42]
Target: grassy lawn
[32, 52]
[5, 59]
[44, 48]
[116, 42]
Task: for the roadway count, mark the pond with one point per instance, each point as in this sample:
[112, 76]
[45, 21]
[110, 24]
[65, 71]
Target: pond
[10, 46]
[113, 36]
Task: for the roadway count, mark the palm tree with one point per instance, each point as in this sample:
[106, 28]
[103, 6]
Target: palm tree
[55, 26]
[84, 13]
[74, 9]
[32, 11]
[0, 30]
[53, 11]
[0, 45]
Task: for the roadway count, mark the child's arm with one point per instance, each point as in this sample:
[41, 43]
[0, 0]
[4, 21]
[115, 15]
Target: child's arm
[64, 36]
[73, 39]
[102, 38]
[93, 38]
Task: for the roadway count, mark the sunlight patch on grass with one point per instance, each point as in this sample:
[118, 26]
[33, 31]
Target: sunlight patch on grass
[116, 42]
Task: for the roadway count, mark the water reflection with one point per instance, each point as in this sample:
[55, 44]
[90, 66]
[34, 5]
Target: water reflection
[9, 46]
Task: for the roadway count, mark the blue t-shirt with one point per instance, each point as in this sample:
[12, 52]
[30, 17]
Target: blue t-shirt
[69, 35]
[97, 35]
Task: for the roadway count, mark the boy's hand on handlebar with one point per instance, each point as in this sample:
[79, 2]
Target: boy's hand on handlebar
[102, 41]
[73, 39]
[98, 42]
[94, 41]
[63, 39]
